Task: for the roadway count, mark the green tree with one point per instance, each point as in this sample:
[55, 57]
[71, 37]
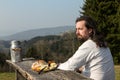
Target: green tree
[107, 14]
[3, 57]
[31, 52]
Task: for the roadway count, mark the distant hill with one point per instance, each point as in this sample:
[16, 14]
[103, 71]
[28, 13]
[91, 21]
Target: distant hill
[26, 35]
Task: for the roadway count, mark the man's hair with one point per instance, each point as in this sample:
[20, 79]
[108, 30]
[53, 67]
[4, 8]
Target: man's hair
[96, 36]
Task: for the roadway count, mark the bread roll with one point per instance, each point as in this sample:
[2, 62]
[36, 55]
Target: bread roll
[39, 65]
[42, 65]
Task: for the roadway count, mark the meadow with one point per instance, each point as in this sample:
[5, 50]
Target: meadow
[7, 76]
[11, 75]
[117, 72]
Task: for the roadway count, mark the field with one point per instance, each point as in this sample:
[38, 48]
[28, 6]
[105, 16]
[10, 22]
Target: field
[11, 76]
[7, 76]
[117, 72]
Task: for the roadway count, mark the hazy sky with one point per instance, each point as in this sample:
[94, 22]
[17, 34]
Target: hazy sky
[22, 15]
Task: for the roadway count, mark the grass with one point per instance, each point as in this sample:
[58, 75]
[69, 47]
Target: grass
[11, 75]
[117, 72]
[7, 76]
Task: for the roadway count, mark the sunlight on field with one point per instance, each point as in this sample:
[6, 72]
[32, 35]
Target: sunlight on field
[11, 75]
[117, 72]
[7, 76]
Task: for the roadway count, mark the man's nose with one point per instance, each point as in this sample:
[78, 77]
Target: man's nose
[77, 32]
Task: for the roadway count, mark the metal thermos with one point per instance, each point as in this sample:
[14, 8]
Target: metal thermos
[15, 51]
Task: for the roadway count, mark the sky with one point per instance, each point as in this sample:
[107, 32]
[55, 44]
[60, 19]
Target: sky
[23, 15]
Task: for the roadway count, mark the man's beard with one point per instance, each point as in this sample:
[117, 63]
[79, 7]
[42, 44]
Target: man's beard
[81, 39]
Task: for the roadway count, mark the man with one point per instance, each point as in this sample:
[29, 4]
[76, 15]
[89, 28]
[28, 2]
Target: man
[93, 54]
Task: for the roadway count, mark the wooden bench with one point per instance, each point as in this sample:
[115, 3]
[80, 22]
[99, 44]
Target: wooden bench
[23, 72]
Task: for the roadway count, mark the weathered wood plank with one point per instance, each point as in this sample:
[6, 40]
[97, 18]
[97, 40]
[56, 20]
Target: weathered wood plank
[24, 68]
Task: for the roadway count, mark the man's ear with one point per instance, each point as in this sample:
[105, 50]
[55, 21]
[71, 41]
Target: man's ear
[90, 30]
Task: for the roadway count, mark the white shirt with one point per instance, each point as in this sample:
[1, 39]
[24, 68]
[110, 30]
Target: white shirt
[98, 62]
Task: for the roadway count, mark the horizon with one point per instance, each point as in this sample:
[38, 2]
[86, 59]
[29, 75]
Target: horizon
[35, 29]
[22, 15]
[29, 34]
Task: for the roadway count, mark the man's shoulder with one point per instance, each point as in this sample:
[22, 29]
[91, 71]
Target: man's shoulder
[89, 43]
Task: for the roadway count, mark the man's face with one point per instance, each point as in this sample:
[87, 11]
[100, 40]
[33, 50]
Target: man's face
[81, 31]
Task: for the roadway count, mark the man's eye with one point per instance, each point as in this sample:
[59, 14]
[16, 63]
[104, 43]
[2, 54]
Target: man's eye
[80, 28]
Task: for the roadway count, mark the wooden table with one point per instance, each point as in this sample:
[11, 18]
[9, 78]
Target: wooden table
[23, 72]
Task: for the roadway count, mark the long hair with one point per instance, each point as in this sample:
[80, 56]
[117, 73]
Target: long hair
[96, 36]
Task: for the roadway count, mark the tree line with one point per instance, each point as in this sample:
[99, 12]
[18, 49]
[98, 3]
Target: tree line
[57, 48]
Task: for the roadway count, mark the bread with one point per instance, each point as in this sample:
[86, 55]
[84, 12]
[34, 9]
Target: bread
[52, 66]
[43, 65]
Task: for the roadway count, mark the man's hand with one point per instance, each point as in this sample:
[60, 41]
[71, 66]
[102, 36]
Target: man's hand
[80, 69]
